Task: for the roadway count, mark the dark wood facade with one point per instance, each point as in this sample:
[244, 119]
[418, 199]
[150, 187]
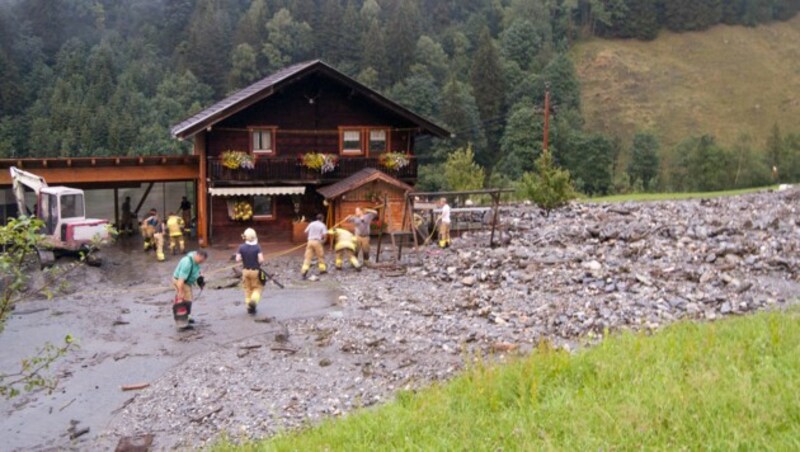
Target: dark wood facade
[311, 109]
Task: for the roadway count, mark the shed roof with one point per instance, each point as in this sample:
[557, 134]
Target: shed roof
[359, 179]
[265, 87]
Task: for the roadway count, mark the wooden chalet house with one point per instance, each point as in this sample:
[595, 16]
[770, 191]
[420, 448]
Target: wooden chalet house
[271, 145]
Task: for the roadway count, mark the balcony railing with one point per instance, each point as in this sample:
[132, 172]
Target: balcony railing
[291, 170]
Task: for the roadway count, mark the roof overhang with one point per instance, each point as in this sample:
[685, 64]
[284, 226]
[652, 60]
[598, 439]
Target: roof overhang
[266, 87]
[360, 179]
[256, 191]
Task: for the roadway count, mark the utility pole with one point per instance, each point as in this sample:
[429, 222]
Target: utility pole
[545, 145]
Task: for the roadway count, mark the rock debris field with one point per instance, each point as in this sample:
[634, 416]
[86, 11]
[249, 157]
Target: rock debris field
[566, 278]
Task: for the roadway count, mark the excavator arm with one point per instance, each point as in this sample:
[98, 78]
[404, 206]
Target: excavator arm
[21, 179]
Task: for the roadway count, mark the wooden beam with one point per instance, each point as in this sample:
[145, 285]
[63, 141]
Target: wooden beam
[112, 174]
[144, 198]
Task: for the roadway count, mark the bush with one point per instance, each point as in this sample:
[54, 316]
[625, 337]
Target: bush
[461, 172]
[549, 187]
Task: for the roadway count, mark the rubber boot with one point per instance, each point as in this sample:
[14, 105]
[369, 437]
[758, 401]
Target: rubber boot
[304, 271]
[323, 268]
[354, 263]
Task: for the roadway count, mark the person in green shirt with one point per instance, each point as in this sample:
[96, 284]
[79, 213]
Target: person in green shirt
[187, 274]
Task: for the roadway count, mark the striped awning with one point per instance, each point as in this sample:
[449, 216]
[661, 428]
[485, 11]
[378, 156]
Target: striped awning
[256, 191]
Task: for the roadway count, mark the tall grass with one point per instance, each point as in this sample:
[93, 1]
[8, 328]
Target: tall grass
[733, 384]
[677, 195]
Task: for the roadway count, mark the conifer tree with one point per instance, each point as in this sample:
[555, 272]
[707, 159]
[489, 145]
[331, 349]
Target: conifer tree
[488, 87]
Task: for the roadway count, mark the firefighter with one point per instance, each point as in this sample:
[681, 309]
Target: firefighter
[361, 222]
[159, 231]
[186, 213]
[175, 227]
[251, 257]
[316, 231]
[147, 228]
[187, 274]
[345, 248]
[444, 224]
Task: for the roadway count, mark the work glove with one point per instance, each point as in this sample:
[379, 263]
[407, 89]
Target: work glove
[201, 282]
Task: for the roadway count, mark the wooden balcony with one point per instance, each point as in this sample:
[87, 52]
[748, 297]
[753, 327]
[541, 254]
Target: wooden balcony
[290, 170]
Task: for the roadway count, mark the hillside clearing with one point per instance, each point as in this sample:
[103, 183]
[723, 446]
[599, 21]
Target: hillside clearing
[727, 81]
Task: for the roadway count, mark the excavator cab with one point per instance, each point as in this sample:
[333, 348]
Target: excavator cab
[63, 211]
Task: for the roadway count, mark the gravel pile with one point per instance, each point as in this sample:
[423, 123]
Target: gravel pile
[569, 278]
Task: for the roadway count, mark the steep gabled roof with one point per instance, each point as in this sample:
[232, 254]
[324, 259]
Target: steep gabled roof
[358, 179]
[264, 88]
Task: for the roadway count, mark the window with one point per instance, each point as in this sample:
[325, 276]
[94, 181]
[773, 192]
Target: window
[351, 142]
[72, 206]
[263, 208]
[378, 139]
[263, 141]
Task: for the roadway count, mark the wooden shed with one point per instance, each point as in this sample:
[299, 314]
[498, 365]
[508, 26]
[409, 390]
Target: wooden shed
[367, 189]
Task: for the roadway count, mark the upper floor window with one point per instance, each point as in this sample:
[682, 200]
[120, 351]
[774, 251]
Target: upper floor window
[364, 140]
[263, 141]
[351, 142]
[378, 141]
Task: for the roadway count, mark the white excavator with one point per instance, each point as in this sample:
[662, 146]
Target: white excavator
[66, 229]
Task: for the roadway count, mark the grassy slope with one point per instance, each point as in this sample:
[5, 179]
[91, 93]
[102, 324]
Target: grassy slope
[725, 81]
[673, 196]
[719, 386]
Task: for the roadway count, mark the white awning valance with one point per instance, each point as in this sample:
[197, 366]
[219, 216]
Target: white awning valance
[256, 191]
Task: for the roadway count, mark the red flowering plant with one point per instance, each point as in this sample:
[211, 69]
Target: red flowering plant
[377, 226]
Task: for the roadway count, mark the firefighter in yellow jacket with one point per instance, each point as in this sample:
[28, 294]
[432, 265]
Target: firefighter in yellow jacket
[345, 248]
[175, 226]
[159, 230]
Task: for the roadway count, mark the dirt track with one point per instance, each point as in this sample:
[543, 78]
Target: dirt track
[321, 348]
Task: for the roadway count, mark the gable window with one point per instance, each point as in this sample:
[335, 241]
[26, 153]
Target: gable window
[378, 141]
[262, 141]
[351, 142]
[263, 208]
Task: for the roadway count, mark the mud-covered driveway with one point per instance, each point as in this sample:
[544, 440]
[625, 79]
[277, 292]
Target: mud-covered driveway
[120, 315]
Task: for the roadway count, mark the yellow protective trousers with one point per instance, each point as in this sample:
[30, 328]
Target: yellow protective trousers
[252, 286]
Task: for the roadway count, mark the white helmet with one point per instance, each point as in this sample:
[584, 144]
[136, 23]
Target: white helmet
[249, 235]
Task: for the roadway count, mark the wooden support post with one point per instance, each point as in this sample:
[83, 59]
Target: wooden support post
[144, 198]
[382, 221]
[116, 208]
[496, 206]
[202, 190]
[330, 219]
[410, 206]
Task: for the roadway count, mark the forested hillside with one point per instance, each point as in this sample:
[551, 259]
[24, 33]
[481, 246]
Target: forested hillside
[100, 77]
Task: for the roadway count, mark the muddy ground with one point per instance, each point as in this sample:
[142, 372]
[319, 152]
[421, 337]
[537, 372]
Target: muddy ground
[322, 348]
